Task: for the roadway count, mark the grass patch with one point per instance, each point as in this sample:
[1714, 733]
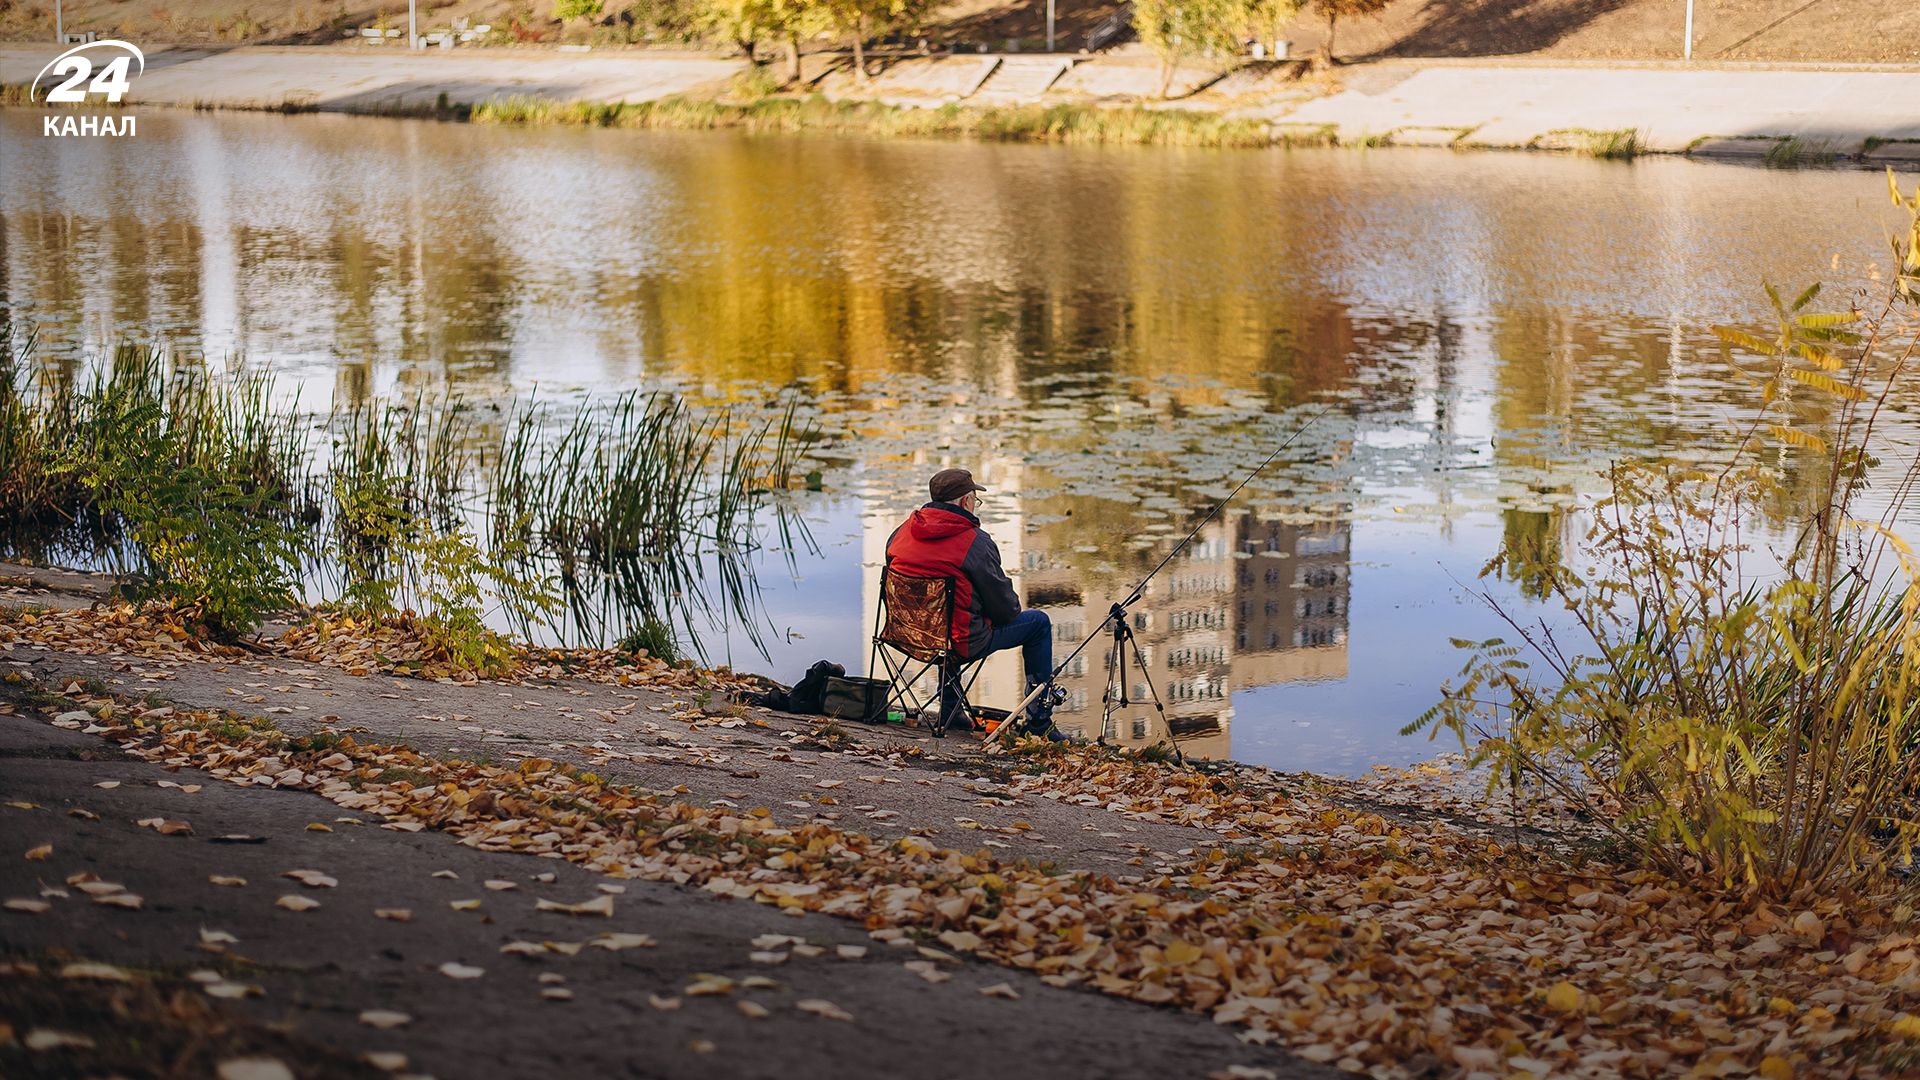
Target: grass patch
[1622, 144]
[1065, 123]
[1794, 152]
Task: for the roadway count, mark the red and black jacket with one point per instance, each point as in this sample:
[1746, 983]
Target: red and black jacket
[943, 540]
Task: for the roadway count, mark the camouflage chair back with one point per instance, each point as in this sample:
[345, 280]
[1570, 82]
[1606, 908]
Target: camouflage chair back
[918, 615]
[916, 621]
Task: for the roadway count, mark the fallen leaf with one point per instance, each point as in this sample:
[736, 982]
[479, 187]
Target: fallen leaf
[616, 942]
[464, 905]
[709, 986]
[166, 826]
[28, 907]
[98, 888]
[394, 914]
[39, 853]
[49, 1039]
[664, 1004]
[823, 1008]
[767, 957]
[385, 1060]
[1564, 997]
[312, 879]
[217, 937]
[107, 785]
[319, 826]
[103, 972]
[233, 991]
[454, 970]
[599, 905]
[296, 903]
[1177, 952]
[227, 880]
[1000, 990]
[1775, 1067]
[752, 1009]
[254, 1069]
[851, 952]
[557, 993]
[121, 900]
[384, 1019]
[500, 886]
[448, 874]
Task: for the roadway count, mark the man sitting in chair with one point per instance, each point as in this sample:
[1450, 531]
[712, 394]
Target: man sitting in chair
[944, 539]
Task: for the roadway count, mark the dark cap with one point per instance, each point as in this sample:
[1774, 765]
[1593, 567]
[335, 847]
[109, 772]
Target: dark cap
[948, 485]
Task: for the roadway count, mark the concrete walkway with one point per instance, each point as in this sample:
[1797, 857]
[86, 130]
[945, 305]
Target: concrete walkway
[1871, 113]
[372, 80]
[1670, 109]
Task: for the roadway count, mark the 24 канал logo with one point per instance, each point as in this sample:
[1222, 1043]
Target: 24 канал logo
[72, 79]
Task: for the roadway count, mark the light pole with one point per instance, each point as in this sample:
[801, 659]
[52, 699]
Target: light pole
[413, 28]
[1050, 25]
[59, 27]
[1689, 48]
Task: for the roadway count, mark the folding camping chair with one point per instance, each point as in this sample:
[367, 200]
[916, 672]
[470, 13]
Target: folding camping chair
[915, 617]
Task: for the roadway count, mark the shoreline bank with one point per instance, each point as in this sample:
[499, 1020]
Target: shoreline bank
[1790, 115]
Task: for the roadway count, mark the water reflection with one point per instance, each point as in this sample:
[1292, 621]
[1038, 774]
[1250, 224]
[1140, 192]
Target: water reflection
[1108, 336]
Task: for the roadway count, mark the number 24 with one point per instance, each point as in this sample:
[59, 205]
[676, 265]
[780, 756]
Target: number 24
[111, 82]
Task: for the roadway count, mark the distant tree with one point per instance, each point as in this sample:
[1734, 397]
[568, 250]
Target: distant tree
[1176, 29]
[744, 22]
[863, 20]
[1335, 10]
[569, 10]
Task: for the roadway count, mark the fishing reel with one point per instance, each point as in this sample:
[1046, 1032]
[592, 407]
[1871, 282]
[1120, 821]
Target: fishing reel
[1052, 695]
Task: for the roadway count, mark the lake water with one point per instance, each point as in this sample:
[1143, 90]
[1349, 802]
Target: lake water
[1110, 338]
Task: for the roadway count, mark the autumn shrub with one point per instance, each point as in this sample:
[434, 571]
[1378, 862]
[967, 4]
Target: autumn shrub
[1759, 724]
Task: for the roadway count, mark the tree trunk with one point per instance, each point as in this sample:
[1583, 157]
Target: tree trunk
[793, 59]
[860, 48]
[1326, 51]
[746, 48]
[1169, 67]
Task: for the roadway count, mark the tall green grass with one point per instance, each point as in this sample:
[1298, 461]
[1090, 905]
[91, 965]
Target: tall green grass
[642, 508]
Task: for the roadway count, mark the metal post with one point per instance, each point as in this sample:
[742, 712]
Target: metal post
[413, 28]
[1689, 49]
[1050, 25]
[60, 27]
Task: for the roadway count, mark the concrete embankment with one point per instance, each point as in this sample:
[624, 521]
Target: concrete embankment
[1865, 113]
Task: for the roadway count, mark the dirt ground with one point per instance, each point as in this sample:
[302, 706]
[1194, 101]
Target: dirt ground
[1883, 31]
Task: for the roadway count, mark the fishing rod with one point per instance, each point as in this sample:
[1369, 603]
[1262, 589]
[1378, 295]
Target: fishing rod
[1119, 610]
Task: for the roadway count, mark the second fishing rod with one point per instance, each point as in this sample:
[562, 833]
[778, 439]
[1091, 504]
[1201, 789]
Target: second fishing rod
[1117, 628]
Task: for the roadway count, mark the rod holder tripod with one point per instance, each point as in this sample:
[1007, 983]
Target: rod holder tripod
[1126, 644]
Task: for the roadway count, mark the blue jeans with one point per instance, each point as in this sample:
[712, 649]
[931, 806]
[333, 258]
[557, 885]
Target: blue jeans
[1032, 633]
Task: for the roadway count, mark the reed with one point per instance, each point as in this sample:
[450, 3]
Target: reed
[644, 507]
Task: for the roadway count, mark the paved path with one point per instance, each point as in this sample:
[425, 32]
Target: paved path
[1672, 109]
[316, 970]
[366, 80]
[1745, 110]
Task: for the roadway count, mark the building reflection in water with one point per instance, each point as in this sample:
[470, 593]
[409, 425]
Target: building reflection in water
[1253, 601]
